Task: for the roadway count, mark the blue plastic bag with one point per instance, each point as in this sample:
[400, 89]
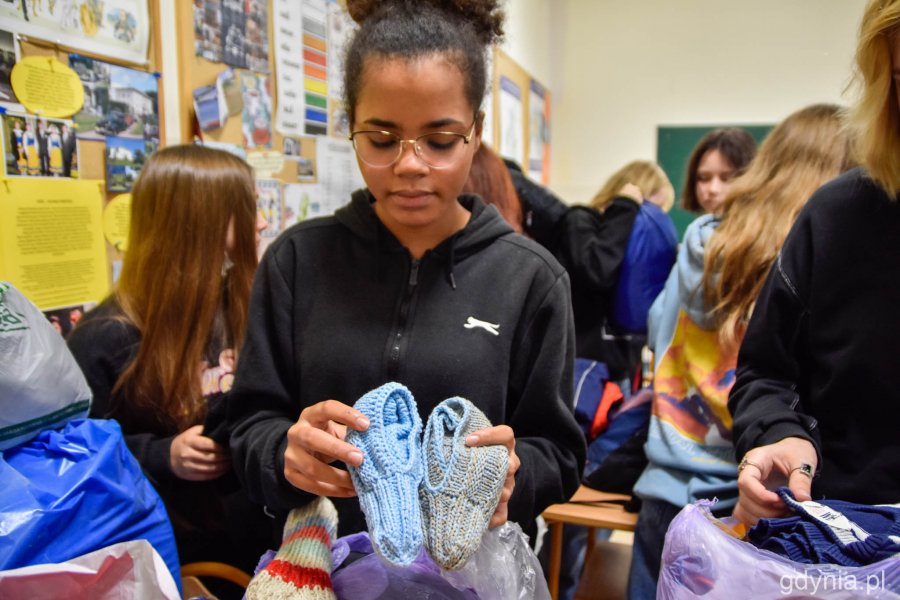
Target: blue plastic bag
[71, 491]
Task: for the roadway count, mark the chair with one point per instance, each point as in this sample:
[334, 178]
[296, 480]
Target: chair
[192, 572]
[592, 509]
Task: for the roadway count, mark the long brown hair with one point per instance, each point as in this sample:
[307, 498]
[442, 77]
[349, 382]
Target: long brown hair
[801, 153]
[172, 280]
[490, 179]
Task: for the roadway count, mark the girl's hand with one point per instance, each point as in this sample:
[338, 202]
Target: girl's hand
[500, 435]
[768, 467]
[629, 190]
[195, 457]
[317, 439]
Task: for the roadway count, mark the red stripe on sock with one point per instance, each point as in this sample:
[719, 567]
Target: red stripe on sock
[300, 576]
[310, 532]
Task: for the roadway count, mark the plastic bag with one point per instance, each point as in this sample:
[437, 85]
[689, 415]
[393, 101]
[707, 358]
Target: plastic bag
[700, 560]
[41, 385]
[70, 492]
[503, 568]
[125, 570]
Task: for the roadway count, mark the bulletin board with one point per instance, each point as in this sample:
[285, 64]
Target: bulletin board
[520, 106]
[674, 145]
[54, 246]
[277, 104]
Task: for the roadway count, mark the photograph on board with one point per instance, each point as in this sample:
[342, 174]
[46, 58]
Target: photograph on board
[207, 29]
[65, 319]
[39, 147]
[117, 101]
[8, 58]
[124, 159]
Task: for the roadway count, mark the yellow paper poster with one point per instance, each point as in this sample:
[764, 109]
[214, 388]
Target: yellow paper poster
[47, 87]
[51, 241]
[117, 220]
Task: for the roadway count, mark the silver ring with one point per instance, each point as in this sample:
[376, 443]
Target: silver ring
[746, 463]
[804, 468]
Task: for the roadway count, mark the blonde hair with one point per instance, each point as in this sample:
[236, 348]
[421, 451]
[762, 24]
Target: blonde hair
[172, 281]
[876, 117]
[801, 153]
[645, 174]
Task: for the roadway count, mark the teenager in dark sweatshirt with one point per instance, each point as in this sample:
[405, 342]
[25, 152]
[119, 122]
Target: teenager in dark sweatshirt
[817, 376]
[411, 282]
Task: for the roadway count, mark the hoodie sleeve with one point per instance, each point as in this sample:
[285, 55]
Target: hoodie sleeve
[765, 399]
[103, 347]
[260, 409]
[592, 244]
[549, 442]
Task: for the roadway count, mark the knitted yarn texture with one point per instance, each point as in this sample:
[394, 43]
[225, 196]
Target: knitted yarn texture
[388, 480]
[301, 570]
[462, 485]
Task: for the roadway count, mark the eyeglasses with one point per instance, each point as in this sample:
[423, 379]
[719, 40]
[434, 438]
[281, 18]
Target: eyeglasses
[438, 150]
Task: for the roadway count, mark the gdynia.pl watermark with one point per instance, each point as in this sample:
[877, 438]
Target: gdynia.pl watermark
[813, 582]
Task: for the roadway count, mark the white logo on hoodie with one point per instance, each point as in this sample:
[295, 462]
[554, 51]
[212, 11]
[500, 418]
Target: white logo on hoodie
[473, 323]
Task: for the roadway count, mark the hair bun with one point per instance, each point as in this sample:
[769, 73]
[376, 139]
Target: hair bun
[485, 16]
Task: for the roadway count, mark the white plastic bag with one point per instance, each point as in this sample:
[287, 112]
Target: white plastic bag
[41, 386]
[124, 570]
[503, 568]
[700, 560]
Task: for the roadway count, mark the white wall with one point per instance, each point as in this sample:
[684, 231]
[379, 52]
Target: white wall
[532, 39]
[619, 68]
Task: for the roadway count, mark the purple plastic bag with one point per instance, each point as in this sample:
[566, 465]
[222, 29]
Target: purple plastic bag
[701, 561]
[371, 578]
[503, 568]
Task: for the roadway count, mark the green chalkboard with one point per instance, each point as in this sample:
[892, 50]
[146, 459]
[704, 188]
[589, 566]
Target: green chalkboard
[673, 149]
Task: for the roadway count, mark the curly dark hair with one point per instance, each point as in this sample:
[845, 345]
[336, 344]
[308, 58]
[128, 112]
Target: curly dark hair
[461, 30]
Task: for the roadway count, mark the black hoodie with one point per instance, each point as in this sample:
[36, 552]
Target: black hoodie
[340, 308]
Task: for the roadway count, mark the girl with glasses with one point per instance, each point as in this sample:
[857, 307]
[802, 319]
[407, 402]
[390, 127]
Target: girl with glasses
[412, 282]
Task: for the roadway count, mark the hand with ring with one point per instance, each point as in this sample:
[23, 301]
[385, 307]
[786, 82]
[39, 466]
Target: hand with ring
[791, 461]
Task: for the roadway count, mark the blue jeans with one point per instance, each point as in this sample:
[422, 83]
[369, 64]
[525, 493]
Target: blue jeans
[646, 554]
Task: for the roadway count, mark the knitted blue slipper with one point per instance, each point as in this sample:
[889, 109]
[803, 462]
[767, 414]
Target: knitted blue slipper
[387, 482]
[462, 485]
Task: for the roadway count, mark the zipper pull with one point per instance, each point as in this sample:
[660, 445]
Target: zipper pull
[414, 272]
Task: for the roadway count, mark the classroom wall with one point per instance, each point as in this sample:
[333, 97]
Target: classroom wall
[617, 69]
[629, 66]
[530, 40]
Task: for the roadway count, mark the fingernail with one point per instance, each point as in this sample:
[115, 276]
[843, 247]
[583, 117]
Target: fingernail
[362, 423]
[356, 458]
[472, 440]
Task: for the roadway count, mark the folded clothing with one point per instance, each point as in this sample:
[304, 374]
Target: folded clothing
[462, 485]
[387, 481]
[831, 531]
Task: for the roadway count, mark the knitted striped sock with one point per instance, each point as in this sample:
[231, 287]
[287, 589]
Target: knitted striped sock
[387, 481]
[462, 485]
[301, 570]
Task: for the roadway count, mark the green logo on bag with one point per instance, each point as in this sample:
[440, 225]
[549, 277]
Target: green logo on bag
[11, 321]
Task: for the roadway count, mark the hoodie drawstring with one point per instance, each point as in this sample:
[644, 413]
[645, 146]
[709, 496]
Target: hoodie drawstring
[451, 262]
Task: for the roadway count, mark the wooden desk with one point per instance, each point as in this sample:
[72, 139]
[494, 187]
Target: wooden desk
[592, 509]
